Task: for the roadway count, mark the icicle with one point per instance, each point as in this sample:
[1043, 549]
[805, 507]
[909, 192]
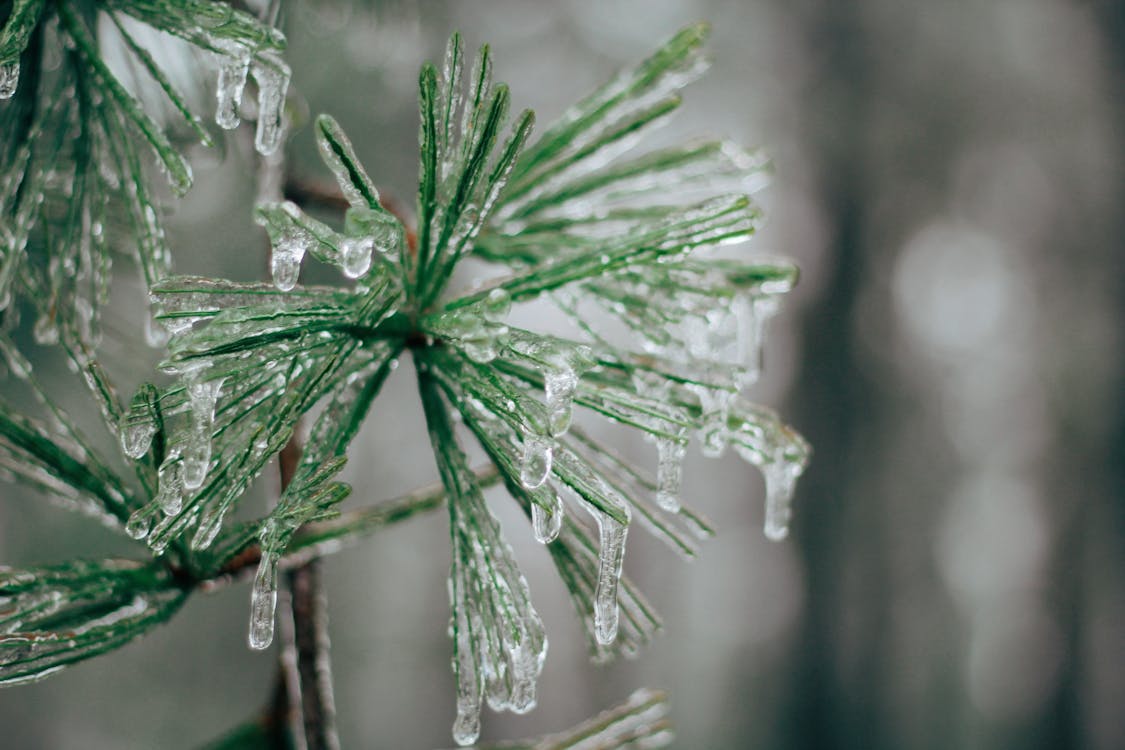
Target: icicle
[714, 431]
[285, 260]
[272, 75]
[610, 558]
[197, 447]
[233, 68]
[536, 463]
[263, 601]
[9, 79]
[170, 492]
[780, 476]
[355, 255]
[547, 523]
[140, 423]
[669, 473]
[753, 314]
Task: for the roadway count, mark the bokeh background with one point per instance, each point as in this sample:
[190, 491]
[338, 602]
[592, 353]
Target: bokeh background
[951, 178]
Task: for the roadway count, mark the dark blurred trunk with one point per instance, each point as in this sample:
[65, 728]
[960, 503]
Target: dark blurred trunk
[836, 682]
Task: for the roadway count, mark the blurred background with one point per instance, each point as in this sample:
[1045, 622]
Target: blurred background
[951, 178]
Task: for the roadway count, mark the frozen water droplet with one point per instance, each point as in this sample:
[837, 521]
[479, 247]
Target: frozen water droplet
[547, 524]
[466, 727]
[559, 385]
[170, 491]
[285, 260]
[139, 425]
[355, 255]
[139, 523]
[233, 68]
[496, 305]
[197, 446]
[263, 603]
[669, 473]
[610, 557]
[780, 476]
[536, 464]
[272, 75]
[9, 79]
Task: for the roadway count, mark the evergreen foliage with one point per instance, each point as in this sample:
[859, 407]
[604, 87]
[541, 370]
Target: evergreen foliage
[613, 240]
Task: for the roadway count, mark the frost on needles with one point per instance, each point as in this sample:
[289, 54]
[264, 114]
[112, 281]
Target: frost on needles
[616, 239]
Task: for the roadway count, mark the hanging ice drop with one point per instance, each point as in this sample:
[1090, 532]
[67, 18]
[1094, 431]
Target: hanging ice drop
[197, 446]
[233, 68]
[9, 79]
[170, 493]
[547, 523]
[285, 260]
[536, 464]
[263, 603]
[355, 255]
[559, 385]
[140, 423]
[140, 521]
[669, 473]
[466, 727]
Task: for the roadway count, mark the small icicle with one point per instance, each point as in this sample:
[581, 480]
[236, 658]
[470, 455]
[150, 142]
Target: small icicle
[170, 493]
[263, 602]
[537, 457]
[610, 557]
[780, 476]
[140, 521]
[714, 432]
[140, 423]
[285, 260]
[272, 75]
[669, 473]
[547, 523]
[753, 314]
[233, 68]
[197, 447]
[559, 385]
[9, 79]
[466, 727]
[355, 255]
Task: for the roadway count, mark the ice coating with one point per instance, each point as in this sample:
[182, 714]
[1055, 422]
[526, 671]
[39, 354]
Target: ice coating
[202, 396]
[234, 65]
[536, 463]
[263, 602]
[210, 523]
[669, 472]
[272, 76]
[9, 79]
